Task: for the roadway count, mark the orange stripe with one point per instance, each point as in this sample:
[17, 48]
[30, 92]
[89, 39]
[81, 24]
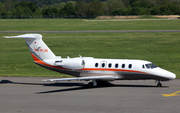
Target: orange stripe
[122, 70]
[35, 58]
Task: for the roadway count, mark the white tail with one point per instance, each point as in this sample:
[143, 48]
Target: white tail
[36, 46]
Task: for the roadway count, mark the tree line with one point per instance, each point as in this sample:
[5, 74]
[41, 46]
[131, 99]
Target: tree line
[82, 8]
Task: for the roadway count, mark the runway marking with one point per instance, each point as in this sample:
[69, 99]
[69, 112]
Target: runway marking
[173, 94]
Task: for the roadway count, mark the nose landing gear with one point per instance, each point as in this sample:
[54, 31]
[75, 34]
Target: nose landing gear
[159, 83]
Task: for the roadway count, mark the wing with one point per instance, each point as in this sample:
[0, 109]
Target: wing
[84, 78]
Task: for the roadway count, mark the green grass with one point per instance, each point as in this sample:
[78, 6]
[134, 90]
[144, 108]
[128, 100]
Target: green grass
[80, 25]
[160, 48]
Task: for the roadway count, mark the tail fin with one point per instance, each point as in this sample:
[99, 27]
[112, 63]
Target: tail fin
[36, 46]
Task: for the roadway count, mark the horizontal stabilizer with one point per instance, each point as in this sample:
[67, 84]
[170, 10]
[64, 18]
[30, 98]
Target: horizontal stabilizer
[35, 36]
[83, 78]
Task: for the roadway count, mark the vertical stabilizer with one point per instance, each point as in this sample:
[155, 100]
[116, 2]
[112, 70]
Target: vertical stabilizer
[36, 46]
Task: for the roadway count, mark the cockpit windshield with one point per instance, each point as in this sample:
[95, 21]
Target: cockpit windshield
[151, 65]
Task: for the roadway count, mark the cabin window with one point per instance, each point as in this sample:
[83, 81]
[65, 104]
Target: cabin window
[143, 66]
[96, 65]
[130, 65]
[123, 65]
[109, 65]
[116, 65]
[103, 64]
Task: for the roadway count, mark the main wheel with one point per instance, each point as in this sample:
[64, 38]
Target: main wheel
[90, 84]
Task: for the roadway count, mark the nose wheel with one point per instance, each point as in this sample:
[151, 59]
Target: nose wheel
[159, 84]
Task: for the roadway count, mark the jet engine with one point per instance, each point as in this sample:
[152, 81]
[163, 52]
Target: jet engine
[71, 63]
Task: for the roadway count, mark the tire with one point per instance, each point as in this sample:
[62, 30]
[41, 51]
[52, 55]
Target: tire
[159, 85]
[90, 84]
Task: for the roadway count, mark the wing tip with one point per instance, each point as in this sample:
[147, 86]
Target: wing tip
[47, 80]
[6, 36]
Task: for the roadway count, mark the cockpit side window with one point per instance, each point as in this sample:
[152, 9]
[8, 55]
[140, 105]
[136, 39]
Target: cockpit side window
[150, 66]
[147, 66]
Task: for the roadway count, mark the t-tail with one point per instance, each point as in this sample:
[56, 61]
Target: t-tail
[38, 49]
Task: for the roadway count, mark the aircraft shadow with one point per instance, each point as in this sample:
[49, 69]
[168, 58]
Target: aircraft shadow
[81, 86]
[43, 84]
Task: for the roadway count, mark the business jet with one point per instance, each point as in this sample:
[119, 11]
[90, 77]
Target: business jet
[93, 69]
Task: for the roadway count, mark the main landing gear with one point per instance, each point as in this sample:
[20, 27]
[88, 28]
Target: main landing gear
[159, 84]
[99, 83]
[92, 84]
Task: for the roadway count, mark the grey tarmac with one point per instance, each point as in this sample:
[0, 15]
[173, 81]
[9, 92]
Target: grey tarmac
[123, 31]
[31, 95]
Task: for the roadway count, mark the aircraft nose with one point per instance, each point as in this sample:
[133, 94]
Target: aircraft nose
[171, 75]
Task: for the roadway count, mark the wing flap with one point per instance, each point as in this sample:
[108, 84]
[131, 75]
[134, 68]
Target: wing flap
[83, 78]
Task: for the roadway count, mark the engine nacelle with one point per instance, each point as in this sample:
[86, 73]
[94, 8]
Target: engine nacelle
[71, 63]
